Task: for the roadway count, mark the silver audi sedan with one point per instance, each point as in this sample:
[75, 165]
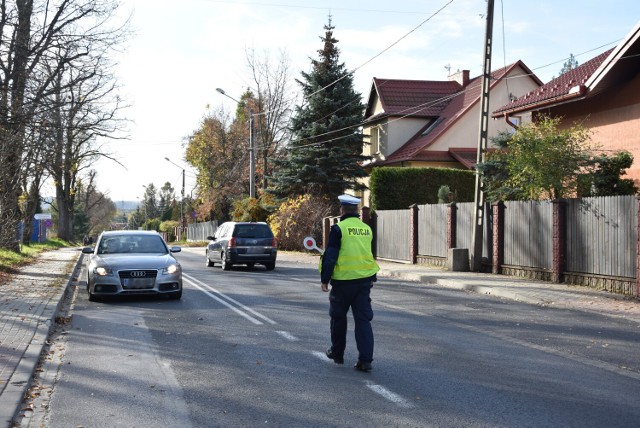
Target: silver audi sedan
[127, 262]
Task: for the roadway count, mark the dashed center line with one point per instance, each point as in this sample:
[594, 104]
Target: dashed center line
[244, 312]
[389, 395]
[287, 335]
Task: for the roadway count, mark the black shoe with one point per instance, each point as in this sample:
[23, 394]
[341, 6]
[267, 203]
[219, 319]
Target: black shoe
[336, 359]
[362, 366]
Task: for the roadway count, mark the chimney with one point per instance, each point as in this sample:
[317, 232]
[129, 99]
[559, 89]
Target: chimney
[462, 77]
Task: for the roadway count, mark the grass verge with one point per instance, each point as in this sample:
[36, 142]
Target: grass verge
[10, 260]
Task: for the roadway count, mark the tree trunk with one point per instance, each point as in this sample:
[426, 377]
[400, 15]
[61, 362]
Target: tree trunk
[31, 207]
[13, 135]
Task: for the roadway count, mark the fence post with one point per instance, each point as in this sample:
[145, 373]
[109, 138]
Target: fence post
[452, 221]
[498, 237]
[559, 239]
[373, 224]
[638, 253]
[326, 227]
[413, 220]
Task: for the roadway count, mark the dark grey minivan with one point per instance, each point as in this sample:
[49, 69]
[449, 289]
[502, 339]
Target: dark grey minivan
[244, 243]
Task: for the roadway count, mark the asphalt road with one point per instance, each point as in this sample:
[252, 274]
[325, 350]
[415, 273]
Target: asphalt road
[246, 348]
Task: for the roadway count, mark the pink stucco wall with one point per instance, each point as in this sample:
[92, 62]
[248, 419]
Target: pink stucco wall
[614, 118]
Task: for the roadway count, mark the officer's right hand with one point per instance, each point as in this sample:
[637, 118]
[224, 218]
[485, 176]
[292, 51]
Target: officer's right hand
[325, 287]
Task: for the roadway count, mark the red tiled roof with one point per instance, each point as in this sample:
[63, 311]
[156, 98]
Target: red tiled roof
[465, 156]
[423, 98]
[456, 108]
[557, 89]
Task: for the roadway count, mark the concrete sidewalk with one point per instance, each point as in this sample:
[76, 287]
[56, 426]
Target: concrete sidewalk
[522, 290]
[30, 300]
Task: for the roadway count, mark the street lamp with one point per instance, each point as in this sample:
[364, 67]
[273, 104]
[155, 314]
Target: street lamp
[252, 163]
[181, 197]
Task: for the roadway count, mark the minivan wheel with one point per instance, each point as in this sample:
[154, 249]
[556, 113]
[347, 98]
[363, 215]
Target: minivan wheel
[270, 266]
[224, 263]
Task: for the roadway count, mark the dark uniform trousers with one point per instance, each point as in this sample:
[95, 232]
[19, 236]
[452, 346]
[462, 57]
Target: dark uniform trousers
[354, 295]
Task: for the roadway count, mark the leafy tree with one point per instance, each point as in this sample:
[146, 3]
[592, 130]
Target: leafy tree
[169, 227]
[604, 179]
[55, 90]
[218, 152]
[325, 155]
[249, 209]
[98, 210]
[540, 161]
[495, 174]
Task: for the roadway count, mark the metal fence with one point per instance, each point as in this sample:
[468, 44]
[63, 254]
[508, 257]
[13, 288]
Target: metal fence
[198, 232]
[465, 220]
[528, 238]
[432, 230]
[601, 235]
[393, 235]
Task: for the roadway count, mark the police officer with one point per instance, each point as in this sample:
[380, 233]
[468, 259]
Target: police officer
[349, 266]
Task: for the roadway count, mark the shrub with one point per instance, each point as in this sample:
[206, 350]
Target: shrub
[169, 227]
[399, 188]
[298, 218]
[252, 209]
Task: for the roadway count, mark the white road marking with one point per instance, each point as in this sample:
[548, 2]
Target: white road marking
[389, 395]
[399, 308]
[201, 286]
[378, 389]
[322, 356]
[287, 335]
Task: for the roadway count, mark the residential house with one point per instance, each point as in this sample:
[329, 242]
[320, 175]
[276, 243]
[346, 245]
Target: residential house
[603, 95]
[425, 123]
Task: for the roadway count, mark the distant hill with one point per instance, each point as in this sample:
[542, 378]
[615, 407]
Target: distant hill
[126, 206]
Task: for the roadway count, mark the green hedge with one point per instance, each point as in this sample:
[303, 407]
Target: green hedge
[399, 188]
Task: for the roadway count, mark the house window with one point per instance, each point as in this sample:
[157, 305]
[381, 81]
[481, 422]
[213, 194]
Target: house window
[375, 140]
[515, 120]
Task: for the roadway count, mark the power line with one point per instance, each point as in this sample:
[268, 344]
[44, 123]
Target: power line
[384, 50]
[327, 7]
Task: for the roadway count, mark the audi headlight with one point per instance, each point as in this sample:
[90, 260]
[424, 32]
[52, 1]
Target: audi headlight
[171, 269]
[102, 271]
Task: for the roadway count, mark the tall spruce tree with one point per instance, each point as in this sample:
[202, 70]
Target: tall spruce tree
[324, 157]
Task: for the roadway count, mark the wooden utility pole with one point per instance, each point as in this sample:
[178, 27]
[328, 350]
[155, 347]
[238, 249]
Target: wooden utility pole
[476, 252]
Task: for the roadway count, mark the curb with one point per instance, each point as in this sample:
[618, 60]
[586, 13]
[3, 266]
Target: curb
[457, 284]
[22, 378]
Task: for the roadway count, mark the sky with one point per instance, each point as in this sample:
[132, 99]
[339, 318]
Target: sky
[181, 51]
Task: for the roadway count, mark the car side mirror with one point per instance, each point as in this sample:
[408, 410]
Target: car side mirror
[87, 250]
[175, 249]
[211, 238]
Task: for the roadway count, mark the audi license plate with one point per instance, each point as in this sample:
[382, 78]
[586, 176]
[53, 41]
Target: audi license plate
[137, 282]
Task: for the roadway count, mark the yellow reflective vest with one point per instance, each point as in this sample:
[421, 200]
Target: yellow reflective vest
[355, 259]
